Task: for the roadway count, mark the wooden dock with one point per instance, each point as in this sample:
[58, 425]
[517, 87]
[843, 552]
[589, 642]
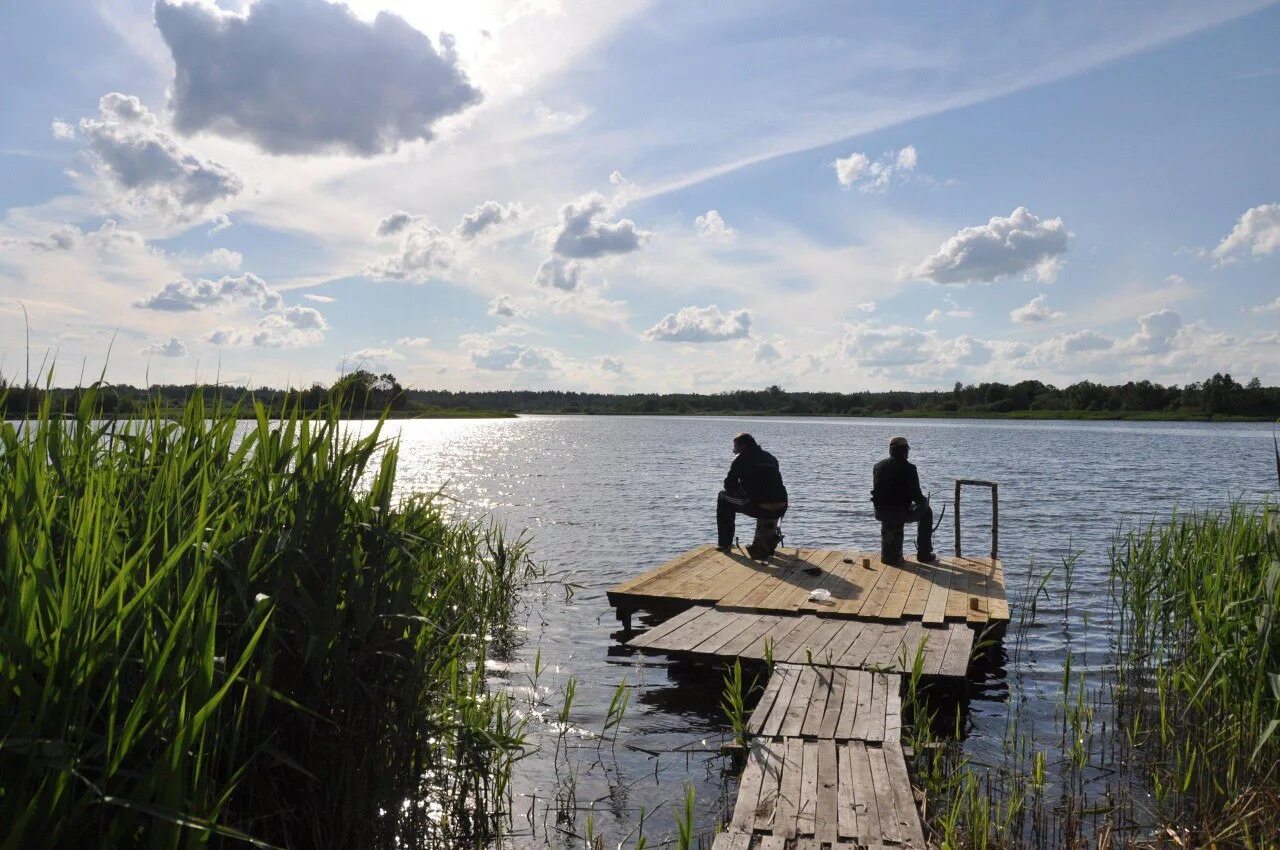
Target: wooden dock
[825, 766]
[859, 584]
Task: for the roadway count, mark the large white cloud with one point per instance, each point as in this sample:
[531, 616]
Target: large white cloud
[424, 250]
[1034, 311]
[583, 235]
[308, 76]
[998, 249]
[185, 295]
[133, 154]
[293, 327]
[711, 225]
[173, 348]
[1257, 232]
[1156, 332]
[701, 324]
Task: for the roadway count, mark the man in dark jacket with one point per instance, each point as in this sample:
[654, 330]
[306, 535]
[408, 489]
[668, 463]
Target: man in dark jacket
[752, 487]
[896, 494]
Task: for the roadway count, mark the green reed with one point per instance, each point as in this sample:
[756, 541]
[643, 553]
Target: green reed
[1198, 673]
[214, 630]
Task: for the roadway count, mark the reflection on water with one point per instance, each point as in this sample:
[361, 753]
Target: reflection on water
[607, 497]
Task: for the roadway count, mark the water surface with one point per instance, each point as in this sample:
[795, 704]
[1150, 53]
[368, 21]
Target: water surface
[604, 498]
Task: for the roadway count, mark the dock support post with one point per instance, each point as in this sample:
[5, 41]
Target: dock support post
[956, 517]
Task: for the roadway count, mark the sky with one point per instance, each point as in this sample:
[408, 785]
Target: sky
[639, 196]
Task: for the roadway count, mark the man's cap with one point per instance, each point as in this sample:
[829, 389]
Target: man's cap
[898, 441]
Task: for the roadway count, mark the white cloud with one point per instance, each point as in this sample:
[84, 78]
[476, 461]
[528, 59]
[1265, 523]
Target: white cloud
[559, 274]
[857, 169]
[413, 341]
[963, 350]
[1156, 332]
[62, 131]
[395, 223]
[173, 348]
[876, 347]
[1273, 307]
[710, 225]
[865, 307]
[134, 155]
[1257, 232]
[766, 352]
[503, 306]
[294, 327]
[701, 324]
[1034, 311]
[110, 238]
[487, 216]
[998, 249]
[372, 359]
[185, 295]
[218, 258]
[953, 311]
[424, 251]
[220, 222]
[611, 365]
[513, 357]
[320, 299]
[583, 235]
[308, 76]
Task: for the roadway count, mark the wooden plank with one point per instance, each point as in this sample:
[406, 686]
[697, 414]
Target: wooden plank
[784, 821]
[796, 638]
[862, 724]
[784, 627]
[668, 625]
[866, 580]
[767, 700]
[879, 706]
[835, 704]
[884, 653]
[909, 827]
[912, 638]
[732, 841]
[839, 645]
[794, 717]
[886, 802]
[773, 723]
[831, 562]
[825, 822]
[959, 648]
[772, 842]
[958, 593]
[855, 680]
[893, 713]
[762, 625]
[807, 807]
[703, 580]
[737, 624]
[733, 597]
[660, 584]
[919, 593]
[825, 690]
[879, 595]
[857, 652]
[896, 602]
[864, 793]
[847, 825]
[810, 651]
[675, 563]
[693, 632]
[805, 581]
[935, 609]
[754, 777]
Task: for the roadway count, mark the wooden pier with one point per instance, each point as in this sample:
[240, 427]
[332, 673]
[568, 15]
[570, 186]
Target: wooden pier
[825, 766]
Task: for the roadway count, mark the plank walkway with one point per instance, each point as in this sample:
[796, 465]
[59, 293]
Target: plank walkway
[828, 704]
[861, 586]
[703, 630]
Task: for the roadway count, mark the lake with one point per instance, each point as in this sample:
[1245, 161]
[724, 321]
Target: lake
[604, 498]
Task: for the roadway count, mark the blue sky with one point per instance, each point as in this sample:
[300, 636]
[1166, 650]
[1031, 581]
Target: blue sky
[637, 196]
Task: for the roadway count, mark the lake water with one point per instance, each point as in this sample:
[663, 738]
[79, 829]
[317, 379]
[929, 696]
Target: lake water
[604, 498]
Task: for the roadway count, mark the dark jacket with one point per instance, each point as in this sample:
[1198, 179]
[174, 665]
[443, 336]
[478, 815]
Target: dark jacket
[755, 472]
[895, 484]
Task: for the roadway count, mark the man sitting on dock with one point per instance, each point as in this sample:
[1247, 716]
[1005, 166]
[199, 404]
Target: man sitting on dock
[752, 487]
[898, 500]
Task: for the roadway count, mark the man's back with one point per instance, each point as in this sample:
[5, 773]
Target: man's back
[756, 472]
[895, 483]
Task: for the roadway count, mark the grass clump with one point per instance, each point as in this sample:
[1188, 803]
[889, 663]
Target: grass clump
[1198, 673]
[214, 630]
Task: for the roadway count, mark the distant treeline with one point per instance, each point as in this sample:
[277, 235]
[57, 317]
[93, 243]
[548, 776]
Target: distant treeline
[365, 393]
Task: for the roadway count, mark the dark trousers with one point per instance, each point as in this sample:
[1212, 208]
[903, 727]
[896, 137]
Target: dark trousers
[729, 505]
[891, 532]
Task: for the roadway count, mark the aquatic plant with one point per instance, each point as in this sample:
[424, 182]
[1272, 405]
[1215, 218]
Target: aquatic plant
[216, 629]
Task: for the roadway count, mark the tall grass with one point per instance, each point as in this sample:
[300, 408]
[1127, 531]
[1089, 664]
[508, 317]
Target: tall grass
[1198, 677]
[212, 630]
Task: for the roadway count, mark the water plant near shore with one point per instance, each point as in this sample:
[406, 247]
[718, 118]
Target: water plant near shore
[212, 629]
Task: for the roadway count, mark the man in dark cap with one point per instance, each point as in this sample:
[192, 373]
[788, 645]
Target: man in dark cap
[895, 491]
[752, 487]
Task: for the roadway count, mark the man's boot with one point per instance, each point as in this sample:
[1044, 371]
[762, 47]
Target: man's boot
[891, 542]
